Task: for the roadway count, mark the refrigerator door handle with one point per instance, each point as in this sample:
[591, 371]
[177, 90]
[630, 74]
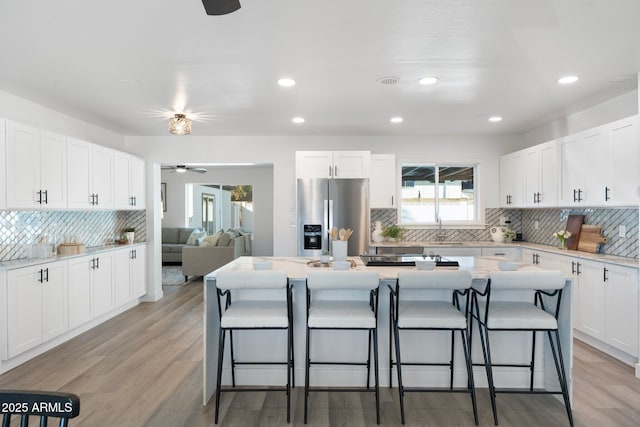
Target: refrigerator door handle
[329, 214]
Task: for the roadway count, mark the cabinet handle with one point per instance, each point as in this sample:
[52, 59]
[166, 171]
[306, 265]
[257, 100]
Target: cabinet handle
[335, 171]
[133, 255]
[391, 200]
[578, 271]
[41, 274]
[135, 201]
[574, 195]
[606, 194]
[39, 193]
[499, 254]
[330, 170]
[579, 195]
[97, 199]
[97, 263]
[605, 277]
[533, 258]
[573, 267]
[93, 264]
[46, 275]
[46, 197]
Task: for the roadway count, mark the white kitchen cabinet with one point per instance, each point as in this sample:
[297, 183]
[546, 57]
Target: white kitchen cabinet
[80, 293]
[383, 181]
[332, 164]
[129, 274]
[542, 259]
[624, 189]
[102, 283]
[35, 167]
[511, 166]
[540, 175]
[621, 307]
[507, 252]
[36, 305]
[89, 175]
[571, 150]
[128, 181]
[452, 251]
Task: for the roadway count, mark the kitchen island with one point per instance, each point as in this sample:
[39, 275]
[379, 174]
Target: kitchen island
[506, 346]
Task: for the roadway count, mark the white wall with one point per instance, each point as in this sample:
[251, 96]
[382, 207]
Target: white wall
[29, 113]
[261, 177]
[280, 152]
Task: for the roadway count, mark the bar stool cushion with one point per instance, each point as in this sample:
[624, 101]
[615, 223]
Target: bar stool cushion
[446, 279]
[343, 280]
[430, 314]
[341, 314]
[251, 279]
[255, 314]
[517, 315]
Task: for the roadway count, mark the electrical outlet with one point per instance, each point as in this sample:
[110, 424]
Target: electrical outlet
[536, 225]
[622, 231]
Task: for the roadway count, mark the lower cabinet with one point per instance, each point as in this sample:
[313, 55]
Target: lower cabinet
[36, 305]
[129, 274]
[90, 287]
[510, 252]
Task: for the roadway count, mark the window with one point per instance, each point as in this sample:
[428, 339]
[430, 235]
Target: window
[439, 192]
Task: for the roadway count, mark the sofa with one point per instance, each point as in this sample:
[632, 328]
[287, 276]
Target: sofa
[215, 251]
[174, 240]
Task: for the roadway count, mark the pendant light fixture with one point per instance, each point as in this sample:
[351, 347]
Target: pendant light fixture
[180, 125]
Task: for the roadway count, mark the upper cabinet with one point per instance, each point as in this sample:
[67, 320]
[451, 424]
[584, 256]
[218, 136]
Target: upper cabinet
[90, 175]
[540, 179]
[511, 180]
[332, 164]
[382, 182]
[594, 168]
[36, 168]
[599, 167]
[128, 181]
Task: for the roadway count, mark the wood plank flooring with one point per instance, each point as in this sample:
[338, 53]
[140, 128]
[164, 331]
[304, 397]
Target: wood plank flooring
[143, 368]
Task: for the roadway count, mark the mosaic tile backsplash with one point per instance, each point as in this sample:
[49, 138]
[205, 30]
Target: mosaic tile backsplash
[549, 221]
[20, 229]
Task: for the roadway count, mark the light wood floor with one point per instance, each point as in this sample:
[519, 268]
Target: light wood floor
[143, 368]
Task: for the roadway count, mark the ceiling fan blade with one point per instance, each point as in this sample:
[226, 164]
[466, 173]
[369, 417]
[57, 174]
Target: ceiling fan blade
[164, 168]
[220, 7]
[199, 170]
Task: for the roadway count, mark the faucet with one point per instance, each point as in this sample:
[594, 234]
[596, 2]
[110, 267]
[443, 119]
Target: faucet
[442, 235]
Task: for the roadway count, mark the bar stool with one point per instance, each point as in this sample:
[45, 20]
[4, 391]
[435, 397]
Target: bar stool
[521, 316]
[431, 315]
[343, 314]
[253, 314]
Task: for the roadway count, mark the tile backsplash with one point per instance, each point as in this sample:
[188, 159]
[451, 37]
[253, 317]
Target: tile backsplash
[19, 229]
[549, 221]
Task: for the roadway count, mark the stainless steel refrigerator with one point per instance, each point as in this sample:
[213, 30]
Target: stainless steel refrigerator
[326, 203]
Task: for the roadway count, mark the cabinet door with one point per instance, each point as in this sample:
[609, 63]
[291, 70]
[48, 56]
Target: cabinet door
[597, 166]
[592, 300]
[314, 164]
[24, 310]
[3, 161]
[351, 164]
[137, 183]
[139, 272]
[510, 252]
[80, 275]
[548, 178]
[53, 169]
[121, 178]
[383, 181]
[571, 169]
[122, 276]
[78, 177]
[102, 176]
[55, 318]
[625, 153]
[102, 293]
[622, 308]
[511, 180]
[23, 166]
[531, 177]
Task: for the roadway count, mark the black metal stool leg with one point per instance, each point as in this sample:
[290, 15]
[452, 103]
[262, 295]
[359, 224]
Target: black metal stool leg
[451, 360]
[369, 360]
[470, 382]
[375, 370]
[533, 360]
[221, 333]
[484, 340]
[561, 374]
[390, 341]
[399, 369]
[233, 359]
[306, 374]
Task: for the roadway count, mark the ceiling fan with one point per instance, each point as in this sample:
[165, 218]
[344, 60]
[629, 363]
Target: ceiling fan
[183, 169]
[220, 7]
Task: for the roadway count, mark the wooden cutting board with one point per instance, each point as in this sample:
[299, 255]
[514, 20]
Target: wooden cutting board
[574, 225]
[591, 238]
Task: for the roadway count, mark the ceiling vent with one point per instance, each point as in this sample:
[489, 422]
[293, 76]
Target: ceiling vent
[388, 81]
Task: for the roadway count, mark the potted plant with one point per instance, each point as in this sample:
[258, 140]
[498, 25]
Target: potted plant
[509, 235]
[325, 258]
[393, 233]
[129, 232]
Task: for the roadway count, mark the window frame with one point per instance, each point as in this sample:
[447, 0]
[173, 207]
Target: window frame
[479, 214]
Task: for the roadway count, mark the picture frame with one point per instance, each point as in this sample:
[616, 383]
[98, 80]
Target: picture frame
[163, 195]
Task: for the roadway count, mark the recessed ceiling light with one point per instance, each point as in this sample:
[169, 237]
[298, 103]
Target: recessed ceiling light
[286, 82]
[567, 80]
[298, 120]
[396, 120]
[495, 119]
[430, 80]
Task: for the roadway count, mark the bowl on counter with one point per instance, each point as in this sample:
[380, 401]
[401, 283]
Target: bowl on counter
[262, 265]
[425, 264]
[341, 265]
[508, 265]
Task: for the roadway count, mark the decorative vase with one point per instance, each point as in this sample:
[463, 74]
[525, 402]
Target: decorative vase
[130, 236]
[339, 250]
[563, 245]
[376, 235]
[508, 239]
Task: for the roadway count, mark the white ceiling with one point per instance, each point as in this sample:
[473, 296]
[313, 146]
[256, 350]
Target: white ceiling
[129, 65]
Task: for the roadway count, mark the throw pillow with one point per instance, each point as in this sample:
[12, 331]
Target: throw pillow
[224, 239]
[195, 235]
[211, 240]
